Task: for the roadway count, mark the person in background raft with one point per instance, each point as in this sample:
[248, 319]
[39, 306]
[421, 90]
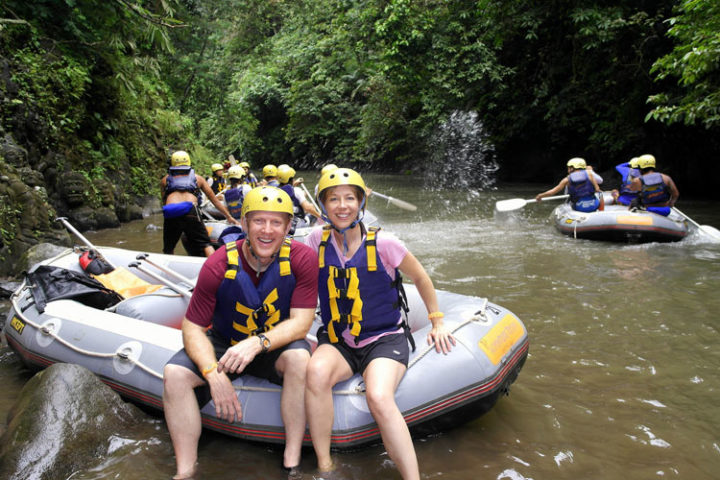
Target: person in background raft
[270, 176]
[266, 272]
[235, 193]
[363, 329]
[582, 186]
[303, 206]
[628, 171]
[180, 188]
[250, 177]
[656, 191]
[217, 179]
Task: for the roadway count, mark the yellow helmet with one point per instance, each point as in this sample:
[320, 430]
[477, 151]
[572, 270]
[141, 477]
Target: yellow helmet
[340, 176]
[328, 168]
[215, 167]
[285, 173]
[244, 164]
[646, 161]
[577, 163]
[267, 199]
[634, 162]
[270, 171]
[180, 158]
[236, 172]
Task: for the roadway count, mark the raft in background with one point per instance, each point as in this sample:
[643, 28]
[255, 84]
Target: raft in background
[617, 223]
[127, 346]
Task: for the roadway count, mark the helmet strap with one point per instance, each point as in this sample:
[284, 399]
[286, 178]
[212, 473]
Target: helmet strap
[260, 267]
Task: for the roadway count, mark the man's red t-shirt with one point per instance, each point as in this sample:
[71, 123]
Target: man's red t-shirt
[303, 263]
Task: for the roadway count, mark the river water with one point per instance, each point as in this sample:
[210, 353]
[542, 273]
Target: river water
[622, 376]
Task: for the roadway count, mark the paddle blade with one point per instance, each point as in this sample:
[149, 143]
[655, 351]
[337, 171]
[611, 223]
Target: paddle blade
[402, 204]
[710, 232]
[510, 204]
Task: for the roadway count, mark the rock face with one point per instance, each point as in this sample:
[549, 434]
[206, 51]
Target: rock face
[65, 421]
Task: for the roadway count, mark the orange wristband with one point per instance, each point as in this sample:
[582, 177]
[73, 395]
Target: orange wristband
[207, 370]
[436, 315]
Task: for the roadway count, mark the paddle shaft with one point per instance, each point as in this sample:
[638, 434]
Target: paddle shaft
[556, 197]
[706, 229]
[82, 238]
[396, 201]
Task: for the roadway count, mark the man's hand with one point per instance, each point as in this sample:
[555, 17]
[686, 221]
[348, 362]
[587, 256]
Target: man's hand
[227, 405]
[237, 357]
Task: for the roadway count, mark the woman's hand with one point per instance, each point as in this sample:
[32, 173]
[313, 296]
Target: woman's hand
[441, 337]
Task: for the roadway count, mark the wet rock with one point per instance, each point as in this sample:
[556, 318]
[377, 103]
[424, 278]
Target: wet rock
[64, 422]
[38, 253]
[13, 153]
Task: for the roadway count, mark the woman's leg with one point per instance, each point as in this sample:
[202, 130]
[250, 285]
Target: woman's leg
[326, 368]
[292, 364]
[382, 377]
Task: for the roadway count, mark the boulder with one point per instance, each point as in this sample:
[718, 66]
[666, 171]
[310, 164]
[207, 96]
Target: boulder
[67, 421]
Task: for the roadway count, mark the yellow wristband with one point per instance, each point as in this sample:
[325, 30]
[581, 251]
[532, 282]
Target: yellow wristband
[209, 369]
[436, 315]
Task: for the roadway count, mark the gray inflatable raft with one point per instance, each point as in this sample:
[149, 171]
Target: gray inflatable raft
[128, 344]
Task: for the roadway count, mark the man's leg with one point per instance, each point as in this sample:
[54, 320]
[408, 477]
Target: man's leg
[171, 234]
[292, 364]
[382, 377]
[182, 415]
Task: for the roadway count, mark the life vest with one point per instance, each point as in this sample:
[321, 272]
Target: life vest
[218, 184]
[250, 179]
[627, 181]
[654, 191]
[579, 186]
[233, 199]
[181, 179]
[361, 296]
[297, 208]
[241, 308]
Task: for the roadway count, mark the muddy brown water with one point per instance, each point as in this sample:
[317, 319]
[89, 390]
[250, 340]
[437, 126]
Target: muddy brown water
[622, 376]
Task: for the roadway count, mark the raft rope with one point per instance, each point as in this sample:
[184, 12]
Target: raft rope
[358, 390]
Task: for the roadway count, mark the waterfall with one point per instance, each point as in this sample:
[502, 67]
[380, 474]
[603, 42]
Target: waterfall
[461, 156]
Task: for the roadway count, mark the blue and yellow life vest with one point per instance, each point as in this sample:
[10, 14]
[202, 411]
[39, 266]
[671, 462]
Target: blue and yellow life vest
[241, 308]
[579, 186]
[233, 199]
[181, 179]
[361, 296]
[654, 191]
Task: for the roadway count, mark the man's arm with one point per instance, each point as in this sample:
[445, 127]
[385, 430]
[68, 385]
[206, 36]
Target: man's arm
[553, 190]
[201, 352]
[674, 192]
[218, 204]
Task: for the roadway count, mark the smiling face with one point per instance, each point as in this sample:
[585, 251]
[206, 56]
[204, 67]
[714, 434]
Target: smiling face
[266, 231]
[342, 204]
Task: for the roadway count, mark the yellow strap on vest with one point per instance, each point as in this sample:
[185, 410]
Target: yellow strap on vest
[353, 293]
[323, 244]
[371, 249]
[272, 312]
[232, 260]
[284, 257]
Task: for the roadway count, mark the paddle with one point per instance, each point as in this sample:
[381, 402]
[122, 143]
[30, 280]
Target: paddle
[396, 201]
[516, 203]
[310, 197]
[708, 230]
[82, 238]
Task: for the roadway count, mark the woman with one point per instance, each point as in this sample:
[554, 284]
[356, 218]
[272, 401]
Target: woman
[363, 329]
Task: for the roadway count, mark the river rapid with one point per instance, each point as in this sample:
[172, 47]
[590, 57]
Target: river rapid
[622, 376]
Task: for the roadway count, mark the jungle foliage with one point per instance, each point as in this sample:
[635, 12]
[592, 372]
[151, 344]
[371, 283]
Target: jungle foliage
[121, 82]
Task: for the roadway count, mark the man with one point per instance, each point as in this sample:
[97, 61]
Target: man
[628, 171]
[217, 179]
[286, 177]
[269, 173]
[275, 350]
[582, 186]
[657, 191]
[180, 189]
[250, 177]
